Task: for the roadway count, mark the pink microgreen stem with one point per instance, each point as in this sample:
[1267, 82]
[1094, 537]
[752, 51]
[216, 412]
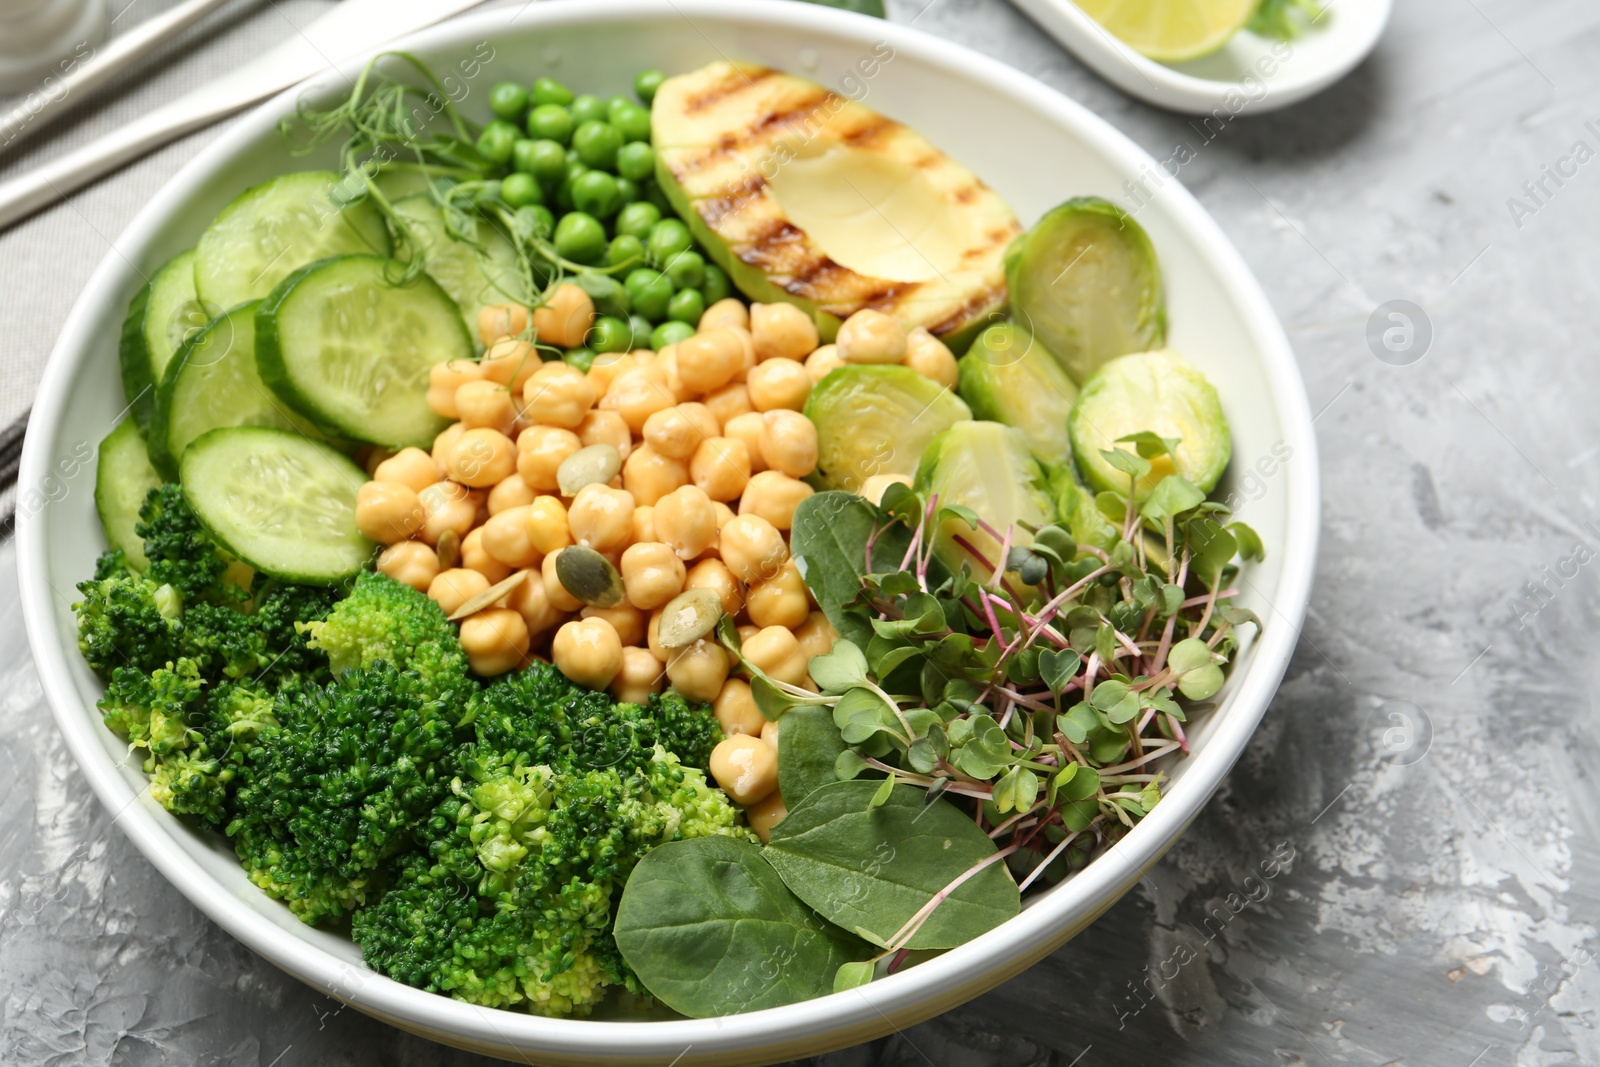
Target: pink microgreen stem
[1155, 753]
[913, 924]
[1050, 858]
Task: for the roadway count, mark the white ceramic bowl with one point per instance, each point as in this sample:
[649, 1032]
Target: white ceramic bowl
[1037, 148]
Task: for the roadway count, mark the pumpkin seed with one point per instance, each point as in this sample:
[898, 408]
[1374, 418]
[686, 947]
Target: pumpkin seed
[688, 617]
[448, 550]
[488, 596]
[595, 465]
[589, 576]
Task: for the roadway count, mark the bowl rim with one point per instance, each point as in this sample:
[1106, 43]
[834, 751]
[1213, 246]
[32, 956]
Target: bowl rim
[914, 993]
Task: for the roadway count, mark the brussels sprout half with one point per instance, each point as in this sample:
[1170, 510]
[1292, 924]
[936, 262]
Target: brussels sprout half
[1159, 392]
[1085, 280]
[876, 420]
[987, 467]
[1006, 376]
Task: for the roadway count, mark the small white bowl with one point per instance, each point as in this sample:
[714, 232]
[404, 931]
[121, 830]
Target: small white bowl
[1249, 74]
[1036, 147]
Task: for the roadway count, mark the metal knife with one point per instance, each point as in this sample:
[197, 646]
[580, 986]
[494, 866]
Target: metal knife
[353, 27]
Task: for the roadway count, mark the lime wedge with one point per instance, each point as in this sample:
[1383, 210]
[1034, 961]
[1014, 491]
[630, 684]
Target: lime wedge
[1171, 31]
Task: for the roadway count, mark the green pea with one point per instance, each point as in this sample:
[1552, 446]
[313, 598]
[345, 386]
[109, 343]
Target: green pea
[588, 108]
[497, 141]
[667, 238]
[646, 82]
[580, 238]
[572, 156]
[686, 306]
[550, 91]
[550, 122]
[610, 334]
[670, 333]
[546, 160]
[650, 291]
[632, 120]
[595, 192]
[521, 190]
[508, 101]
[582, 358]
[627, 191]
[654, 193]
[641, 328]
[687, 270]
[597, 143]
[625, 250]
[574, 171]
[488, 192]
[636, 160]
[544, 222]
[716, 285]
[635, 220]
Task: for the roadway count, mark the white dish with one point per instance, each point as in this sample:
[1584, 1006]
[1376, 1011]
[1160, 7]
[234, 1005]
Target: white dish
[1250, 74]
[1037, 148]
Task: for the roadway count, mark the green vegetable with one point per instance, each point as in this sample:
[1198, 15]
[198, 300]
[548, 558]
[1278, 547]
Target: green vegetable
[716, 286]
[520, 190]
[497, 141]
[1085, 280]
[987, 468]
[1159, 393]
[123, 479]
[637, 160]
[811, 748]
[595, 193]
[670, 333]
[162, 316]
[625, 250]
[876, 420]
[580, 237]
[646, 82]
[546, 160]
[1007, 377]
[711, 930]
[828, 539]
[1284, 19]
[636, 220]
[589, 108]
[550, 122]
[687, 270]
[666, 240]
[476, 264]
[632, 121]
[550, 91]
[650, 291]
[686, 306]
[508, 101]
[596, 143]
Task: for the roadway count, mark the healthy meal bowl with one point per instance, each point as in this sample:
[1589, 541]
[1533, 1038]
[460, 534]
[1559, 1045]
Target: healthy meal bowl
[642, 534]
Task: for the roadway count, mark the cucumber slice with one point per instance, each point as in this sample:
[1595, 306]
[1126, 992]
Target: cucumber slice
[472, 276]
[283, 503]
[276, 228]
[213, 382]
[348, 347]
[163, 315]
[123, 477]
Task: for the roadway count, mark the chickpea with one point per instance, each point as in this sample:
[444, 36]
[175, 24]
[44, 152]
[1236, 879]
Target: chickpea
[636, 396]
[745, 767]
[649, 475]
[486, 404]
[728, 402]
[601, 517]
[446, 506]
[482, 457]
[511, 363]
[769, 733]
[736, 709]
[652, 574]
[747, 631]
[752, 548]
[708, 361]
[628, 621]
[500, 320]
[528, 599]
[410, 563]
[714, 574]
[870, 336]
[721, 467]
[368, 457]
[644, 523]
[748, 360]
[641, 675]
[766, 813]
[729, 311]
[677, 431]
[781, 331]
[540, 453]
[699, 670]
[444, 379]
[557, 399]
[929, 357]
[512, 492]
[495, 640]
[775, 650]
[779, 384]
[747, 428]
[554, 591]
[685, 521]
[588, 652]
[667, 361]
[875, 485]
[443, 444]
[508, 537]
[781, 600]
[607, 368]
[387, 512]
[816, 636]
[410, 467]
[724, 514]
[565, 318]
[548, 528]
[774, 497]
[606, 428]
[822, 361]
[452, 588]
[475, 557]
[652, 636]
[789, 443]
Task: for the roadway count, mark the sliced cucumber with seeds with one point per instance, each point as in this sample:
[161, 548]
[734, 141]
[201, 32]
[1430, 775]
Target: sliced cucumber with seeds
[348, 345]
[276, 228]
[163, 315]
[213, 382]
[283, 503]
[480, 270]
[123, 477]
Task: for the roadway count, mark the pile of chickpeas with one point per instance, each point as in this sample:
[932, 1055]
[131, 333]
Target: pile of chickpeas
[663, 473]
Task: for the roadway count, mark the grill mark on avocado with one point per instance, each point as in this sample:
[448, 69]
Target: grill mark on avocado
[750, 78]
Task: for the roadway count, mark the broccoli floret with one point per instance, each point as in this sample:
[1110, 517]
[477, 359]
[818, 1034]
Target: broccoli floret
[384, 620]
[127, 621]
[153, 711]
[224, 641]
[180, 551]
[282, 610]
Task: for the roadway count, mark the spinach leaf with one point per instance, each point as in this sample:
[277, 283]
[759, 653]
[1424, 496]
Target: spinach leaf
[710, 929]
[809, 748]
[829, 541]
[870, 869]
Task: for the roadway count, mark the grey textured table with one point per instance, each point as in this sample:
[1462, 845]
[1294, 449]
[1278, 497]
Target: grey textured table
[1439, 902]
